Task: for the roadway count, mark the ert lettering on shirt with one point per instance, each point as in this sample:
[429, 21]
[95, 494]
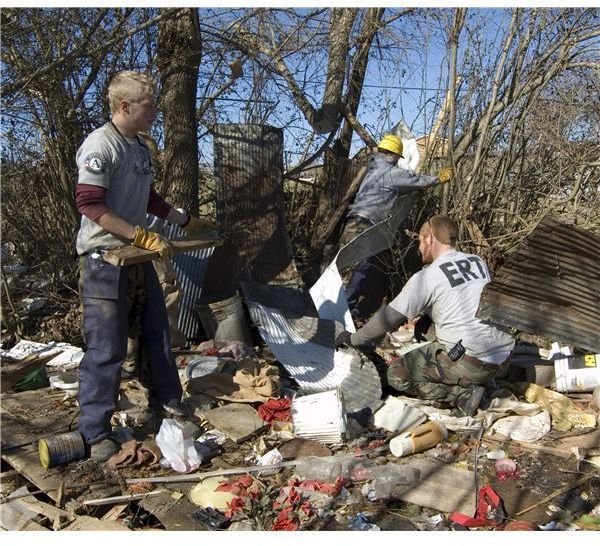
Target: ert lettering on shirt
[461, 271]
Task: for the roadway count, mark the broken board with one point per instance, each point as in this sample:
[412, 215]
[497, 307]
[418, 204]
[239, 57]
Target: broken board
[12, 372]
[130, 255]
[238, 421]
[443, 487]
[174, 511]
[28, 417]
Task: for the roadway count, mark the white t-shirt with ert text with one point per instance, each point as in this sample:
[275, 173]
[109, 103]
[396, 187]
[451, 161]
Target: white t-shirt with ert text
[448, 290]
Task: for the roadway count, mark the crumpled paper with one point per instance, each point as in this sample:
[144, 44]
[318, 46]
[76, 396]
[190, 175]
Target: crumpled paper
[524, 428]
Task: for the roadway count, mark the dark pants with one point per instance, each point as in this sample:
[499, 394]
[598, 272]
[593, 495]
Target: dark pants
[367, 287]
[106, 305]
[368, 283]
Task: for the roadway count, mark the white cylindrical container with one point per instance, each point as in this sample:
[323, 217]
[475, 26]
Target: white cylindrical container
[577, 373]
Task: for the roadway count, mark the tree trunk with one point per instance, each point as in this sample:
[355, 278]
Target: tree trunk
[179, 54]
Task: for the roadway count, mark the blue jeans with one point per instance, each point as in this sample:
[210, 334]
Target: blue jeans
[106, 306]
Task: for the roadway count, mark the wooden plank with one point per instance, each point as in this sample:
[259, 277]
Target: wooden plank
[33, 526]
[12, 372]
[442, 487]
[88, 523]
[115, 512]
[59, 517]
[130, 255]
[28, 417]
[173, 511]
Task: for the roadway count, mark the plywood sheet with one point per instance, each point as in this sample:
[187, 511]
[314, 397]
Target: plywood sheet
[130, 255]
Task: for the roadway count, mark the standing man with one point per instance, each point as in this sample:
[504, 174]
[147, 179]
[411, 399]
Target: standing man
[384, 183]
[468, 352]
[114, 193]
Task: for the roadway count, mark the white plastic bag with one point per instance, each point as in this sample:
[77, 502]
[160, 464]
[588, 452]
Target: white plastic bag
[176, 442]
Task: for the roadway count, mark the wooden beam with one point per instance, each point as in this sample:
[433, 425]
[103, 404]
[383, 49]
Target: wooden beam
[130, 255]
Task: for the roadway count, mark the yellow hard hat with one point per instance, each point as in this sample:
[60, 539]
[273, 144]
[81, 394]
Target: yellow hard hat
[391, 143]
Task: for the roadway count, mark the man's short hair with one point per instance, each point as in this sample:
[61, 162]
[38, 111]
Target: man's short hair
[130, 86]
[444, 229]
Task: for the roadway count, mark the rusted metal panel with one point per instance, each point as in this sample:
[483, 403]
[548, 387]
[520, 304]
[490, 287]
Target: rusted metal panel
[250, 210]
[550, 286]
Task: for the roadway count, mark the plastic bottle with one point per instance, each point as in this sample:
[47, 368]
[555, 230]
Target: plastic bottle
[390, 481]
[419, 439]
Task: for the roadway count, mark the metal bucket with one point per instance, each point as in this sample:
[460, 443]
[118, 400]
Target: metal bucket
[225, 320]
[61, 449]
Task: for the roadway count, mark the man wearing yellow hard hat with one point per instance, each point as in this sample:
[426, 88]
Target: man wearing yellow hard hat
[383, 184]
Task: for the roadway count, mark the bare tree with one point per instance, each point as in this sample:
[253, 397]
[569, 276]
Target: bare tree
[179, 54]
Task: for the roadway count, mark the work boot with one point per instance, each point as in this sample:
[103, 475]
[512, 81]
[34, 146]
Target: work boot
[104, 450]
[176, 408]
[468, 402]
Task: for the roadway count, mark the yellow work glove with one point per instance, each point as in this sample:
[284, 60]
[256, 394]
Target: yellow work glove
[446, 174]
[196, 227]
[150, 240]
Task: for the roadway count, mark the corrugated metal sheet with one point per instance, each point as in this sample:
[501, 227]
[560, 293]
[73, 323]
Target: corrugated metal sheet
[328, 292]
[250, 210]
[550, 286]
[304, 346]
[190, 270]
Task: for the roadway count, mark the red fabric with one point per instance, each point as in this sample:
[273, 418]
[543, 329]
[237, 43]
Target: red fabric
[286, 521]
[276, 409]
[237, 504]
[91, 200]
[489, 511]
[157, 205]
[242, 487]
[316, 485]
